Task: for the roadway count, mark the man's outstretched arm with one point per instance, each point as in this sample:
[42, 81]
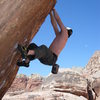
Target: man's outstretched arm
[61, 25]
[54, 24]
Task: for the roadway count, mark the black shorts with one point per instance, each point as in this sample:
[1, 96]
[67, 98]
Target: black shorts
[43, 54]
[49, 59]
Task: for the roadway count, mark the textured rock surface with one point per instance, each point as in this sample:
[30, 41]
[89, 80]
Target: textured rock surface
[22, 82]
[43, 95]
[67, 85]
[96, 87]
[68, 82]
[93, 66]
[19, 22]
[92, 73]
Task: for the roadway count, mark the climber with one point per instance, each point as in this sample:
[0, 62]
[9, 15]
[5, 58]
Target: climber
[49, 55]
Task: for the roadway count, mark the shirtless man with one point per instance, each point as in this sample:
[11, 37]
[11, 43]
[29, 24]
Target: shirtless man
[49, 55]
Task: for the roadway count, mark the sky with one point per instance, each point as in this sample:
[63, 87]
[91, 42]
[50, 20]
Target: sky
[83, 16]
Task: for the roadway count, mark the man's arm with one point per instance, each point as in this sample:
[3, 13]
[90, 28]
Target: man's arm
[61, 25]
[54, 24]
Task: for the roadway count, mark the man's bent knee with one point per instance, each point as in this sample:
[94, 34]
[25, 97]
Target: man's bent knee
[32, 46]
[43, 47]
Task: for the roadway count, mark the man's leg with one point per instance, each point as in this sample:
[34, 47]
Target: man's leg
[28, 56]
[42, 53]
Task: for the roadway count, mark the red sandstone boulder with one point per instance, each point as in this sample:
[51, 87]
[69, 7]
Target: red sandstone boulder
[19, 22]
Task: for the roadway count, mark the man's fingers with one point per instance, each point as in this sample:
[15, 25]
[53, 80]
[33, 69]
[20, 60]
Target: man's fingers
[53, 9]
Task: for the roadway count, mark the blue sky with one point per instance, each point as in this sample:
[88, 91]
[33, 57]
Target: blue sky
[83, 16]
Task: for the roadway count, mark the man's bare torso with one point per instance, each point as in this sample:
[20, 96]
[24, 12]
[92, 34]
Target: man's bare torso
[59, 42]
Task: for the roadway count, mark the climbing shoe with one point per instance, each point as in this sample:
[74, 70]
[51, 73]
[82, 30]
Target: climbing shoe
[22, 63]
[23, 51]
[70, 31]
[55, 69]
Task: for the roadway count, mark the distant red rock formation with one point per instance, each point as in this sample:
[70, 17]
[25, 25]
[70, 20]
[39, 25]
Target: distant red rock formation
[22, 82]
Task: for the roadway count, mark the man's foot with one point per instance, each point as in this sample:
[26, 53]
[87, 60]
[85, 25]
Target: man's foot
[22, 63]
[23, 51]
[55, 69]
[70, 31]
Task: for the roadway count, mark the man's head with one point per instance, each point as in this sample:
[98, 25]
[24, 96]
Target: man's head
[70, 31]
